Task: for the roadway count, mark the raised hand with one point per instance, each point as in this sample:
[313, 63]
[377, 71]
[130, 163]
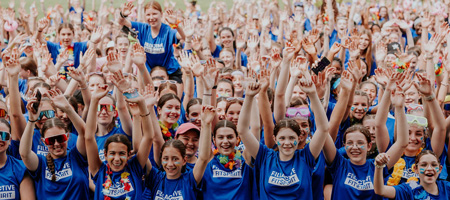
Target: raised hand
[320, 81]
[33, 115]
[63, 57]
[334, 49]
[58, 99]
[196, 43]
[382, 159]
[134, 109]
[211, 73]
[42, 24]
[275, 59]
[171, 17]
[426, 20]
[313, 36]
[433, 43]
[96, 35]
[100, 92]
[347, 81]
[307, 86]
[398, 97]
[394, 78]
[113, 63]
[127, 8]
[354, 50]
[252, 89]
[195, 65]
[240, 41]
[88, 56]
[309, 47]
[188, 28]
[12, 64]
[424, 85]
[139, 55]
[208, 114]
[120, 82]
[264, 80]
[77, 74]
[253, 42]
[288, 52]
[356, 70]
[381, 51]
[381, 77]
[265, 22]
[150, 95]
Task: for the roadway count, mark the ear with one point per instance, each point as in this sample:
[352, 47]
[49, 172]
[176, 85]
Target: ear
[274, 138]
[159, 110]
[116, 113]
[369, 146]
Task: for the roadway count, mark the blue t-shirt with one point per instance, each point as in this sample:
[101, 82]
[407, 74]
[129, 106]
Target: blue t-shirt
[189, 166]
[284, 179]
[244, 59]
[11, 175]
[413, 190]
[159, 50]
[157, 186]
[78, 47]
[39, 147]
[117, 189]
[71, 177]
[352, 181]
[223, 183]
[102, 139]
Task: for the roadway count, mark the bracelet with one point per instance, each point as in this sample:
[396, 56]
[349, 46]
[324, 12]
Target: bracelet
[84, 88]
[145, 115]
[429, 98]
[123, 16]
[207, 94]
[380, 166]
[33, 121]
[214, 87]
[444, 83]
[173, 26]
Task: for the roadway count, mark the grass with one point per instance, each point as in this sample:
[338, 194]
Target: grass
[204, 4]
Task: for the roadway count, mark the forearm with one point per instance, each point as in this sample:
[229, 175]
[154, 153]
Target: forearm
[124, 115]
[188, 89]
[17, 119]
[255, 122]
[266, 116]
[410, 38]
[288, 95]
[381, 131]
[28, 156]
[145, 75]
[338, 113]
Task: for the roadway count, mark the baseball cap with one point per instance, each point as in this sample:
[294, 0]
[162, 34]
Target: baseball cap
[183, 128]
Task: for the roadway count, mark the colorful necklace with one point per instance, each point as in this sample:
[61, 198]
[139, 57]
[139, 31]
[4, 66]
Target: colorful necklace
[232, 161]
[124, 180]
[397, 174]
[165, 131]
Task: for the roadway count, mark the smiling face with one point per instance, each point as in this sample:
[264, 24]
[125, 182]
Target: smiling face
[428, 169]
[94, 81]
[304, 131]
[194, 115]
[224, 89]
[221, 106]
[105, 117]
[356, 147]
[227, 58]
[359, 107]
[172, 162]
[364, 42]
[66, 36]
[238, 83]
[227, 39]
[45, 105]
[117, 156]
[341, 25]
[416, 138]
[170, 112]
[57, 150]
[153, 17]
[297, 92]
[370, 90]
[287, 141]
[122, 45]
[233, 113]
[412, 96]
[4, 144]
[225, 140]
[190, 140]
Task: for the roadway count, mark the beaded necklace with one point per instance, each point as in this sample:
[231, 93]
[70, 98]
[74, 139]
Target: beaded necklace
[124, 180]
[232, 161]
[397, 174]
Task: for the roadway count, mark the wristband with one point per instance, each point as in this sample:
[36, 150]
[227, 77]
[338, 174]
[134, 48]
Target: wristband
[380, 166]
[145, 115]
[123, 16]
[429, 98]
[84, 88]
[207, 94]
[214, 87]
[33, 121]
[173, 26]
[131, 95]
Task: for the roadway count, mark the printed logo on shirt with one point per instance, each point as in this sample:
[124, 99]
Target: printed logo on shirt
[101, 154]
[408, 173]
[277, 178]
[154, 48]
[218, 173]
[117, 190]
[7, 192]
[42, 150]
[177, 195]
[362, 185]
[64, 173]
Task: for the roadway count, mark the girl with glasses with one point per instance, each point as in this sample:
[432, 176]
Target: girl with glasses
[63, 172]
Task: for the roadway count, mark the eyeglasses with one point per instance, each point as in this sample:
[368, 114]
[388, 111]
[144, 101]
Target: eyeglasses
[47, 113]
[298, 112]
[107, 107]
[3, 112]
[413, 119]
[5, 136]
[168, 81]
[60, 138]
[235, 98]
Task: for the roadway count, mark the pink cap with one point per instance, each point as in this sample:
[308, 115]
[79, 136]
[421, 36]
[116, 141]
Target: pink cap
[183, 128]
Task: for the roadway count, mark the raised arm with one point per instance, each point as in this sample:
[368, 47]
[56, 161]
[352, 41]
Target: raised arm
[29, 158]
[91, 127]
[378, 183]
[204, 151]
[338, 113]
[265, 108]
[249, 140]
[126, 10]
[280, 105]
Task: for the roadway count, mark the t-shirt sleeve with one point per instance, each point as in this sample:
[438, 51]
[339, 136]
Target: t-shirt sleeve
[41, 166]
[141, 28]
[262, 154]
[74, 153]
[99, 172]
[403, 191]
[193, 182]
[136, 166]
[337, 162]
[309, 158]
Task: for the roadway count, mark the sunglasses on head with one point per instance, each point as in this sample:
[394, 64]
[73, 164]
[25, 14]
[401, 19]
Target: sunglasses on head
[235, 98]
[293, 112]
[5, 136]
[59, 138]
[107, 107]
[413, 119]
[3, 113]
[47, 113]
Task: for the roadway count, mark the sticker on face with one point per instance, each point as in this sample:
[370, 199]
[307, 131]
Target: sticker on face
[352, 109]
[278, 143]
[295, 143]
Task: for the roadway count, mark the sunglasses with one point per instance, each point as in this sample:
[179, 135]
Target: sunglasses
[5, 136]
[47, 113]
[168, 81]
[95, 73]
[235, 98]
[298, 112]
[60, 138]
[413, 119]
[107, 107]
[3, 113]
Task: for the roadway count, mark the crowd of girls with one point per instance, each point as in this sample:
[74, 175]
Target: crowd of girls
[297, 99]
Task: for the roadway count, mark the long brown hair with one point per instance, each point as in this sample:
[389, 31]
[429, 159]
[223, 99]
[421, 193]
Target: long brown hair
[368, 51]
[50, 123]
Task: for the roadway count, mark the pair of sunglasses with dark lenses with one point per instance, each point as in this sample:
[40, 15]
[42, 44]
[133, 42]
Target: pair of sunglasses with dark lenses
[107, 107]
[47, 113]
[3, 113]
[58, 138]
[5, 136]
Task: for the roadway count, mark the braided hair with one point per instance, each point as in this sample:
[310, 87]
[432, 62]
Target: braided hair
[50, 123]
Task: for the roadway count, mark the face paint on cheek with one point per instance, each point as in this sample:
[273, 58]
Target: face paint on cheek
[352, 109]
[164, 162]
[362, 147]
[347, 147]
[365, 109]
[295, 143]
[437, 169]
[422, 170]
[177, 163]
[123, 157]
[278, 143]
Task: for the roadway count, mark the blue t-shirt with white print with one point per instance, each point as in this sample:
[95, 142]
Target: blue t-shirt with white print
[284, 179]
[11, 176]
[352, 181]
[159, 50]
[224, 183]
[413, 190]
[157, 186]
[102, 139]
[117, 190]
[244, 59]
[54, 49]
[71, 177]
